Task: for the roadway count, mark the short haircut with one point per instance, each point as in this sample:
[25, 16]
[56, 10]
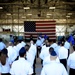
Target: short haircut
[74, 47]
[22, 52]
[51, 49]
[27, 46]
[0, 39]
[62, 43]
[4, 51]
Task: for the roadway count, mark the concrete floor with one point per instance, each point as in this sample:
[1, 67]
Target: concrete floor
[38, 66]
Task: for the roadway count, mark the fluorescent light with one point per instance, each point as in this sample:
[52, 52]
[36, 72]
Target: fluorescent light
[1, 7]
[69, 13]
[49, 14]
[29, 14]
[15, 20]
[67, 16]
[8, 14]
[51, 7]
[26, 7]
[23, 16]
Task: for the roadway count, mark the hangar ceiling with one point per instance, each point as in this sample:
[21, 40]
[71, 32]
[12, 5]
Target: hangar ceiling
[17, 11]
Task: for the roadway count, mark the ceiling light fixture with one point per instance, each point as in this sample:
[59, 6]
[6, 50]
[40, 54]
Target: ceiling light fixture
[67, 16]
[69, 13]
[23, 17]
[51, 7]
[29, 14]
[1, 7]
[26, 7]
[8, 14]
[49, 14]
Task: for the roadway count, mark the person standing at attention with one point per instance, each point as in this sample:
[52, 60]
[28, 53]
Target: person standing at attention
[71, 62]
[54, 67]
[21, 66]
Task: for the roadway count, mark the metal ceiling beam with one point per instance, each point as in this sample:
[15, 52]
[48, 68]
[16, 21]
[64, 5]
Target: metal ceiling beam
[23, 23]
[18, 3]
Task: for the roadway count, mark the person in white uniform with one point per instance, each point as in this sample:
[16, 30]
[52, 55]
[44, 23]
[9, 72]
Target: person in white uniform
[67, 46]
[33, 51]
[30, 56]
[21, 66]
[63, 54]
[38, 45]
[32, 48]
[4, 63]
[12, 53]
[57, 47]
[47, 60]
[2, 45]
[45, 50]
[71, 62]
[54, 68]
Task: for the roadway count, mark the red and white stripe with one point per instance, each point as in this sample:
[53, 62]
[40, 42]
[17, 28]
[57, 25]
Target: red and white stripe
[44, 27]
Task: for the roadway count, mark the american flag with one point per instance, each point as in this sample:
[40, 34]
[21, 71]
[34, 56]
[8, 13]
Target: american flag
[36, 27]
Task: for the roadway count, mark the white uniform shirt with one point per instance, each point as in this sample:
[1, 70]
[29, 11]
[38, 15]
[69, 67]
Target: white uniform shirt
[30, 58]
[10, 50]
[62, 53]
[57, 49]
[42, 40]
[44, 53]
[48, 61]
[2, 45]
[71, 60]
[19, 46]
[54, 68]
[21, 67]
[43, 47]
[67, 45]
[23, 44]
[33, 50]
[12, 54]
[38, 43]
[16, 49]
[5, 68]
[54, 45]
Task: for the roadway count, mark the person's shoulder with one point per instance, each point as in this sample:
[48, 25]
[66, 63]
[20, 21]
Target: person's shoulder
[60, 64]
[15, 62]
[63, 48]
[27, 63]
[72, 54]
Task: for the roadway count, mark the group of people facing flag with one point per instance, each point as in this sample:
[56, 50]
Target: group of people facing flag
[19, 58]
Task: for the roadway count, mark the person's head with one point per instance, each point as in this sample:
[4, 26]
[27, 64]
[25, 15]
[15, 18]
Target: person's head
[10, 44]
[53, 53]
[4, 52]
[47, 43]
[51, 49]
[52, 41]
[74, 47]
[59, 42]
[62, 43]
[0, 39]
[3, 56]
[27, 47]
[31, 42]
[22, 52]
